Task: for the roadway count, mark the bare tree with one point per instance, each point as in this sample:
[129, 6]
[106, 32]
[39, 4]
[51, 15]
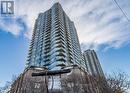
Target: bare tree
[76, 83]
[7, 85]
[71, 84]
[117, 82]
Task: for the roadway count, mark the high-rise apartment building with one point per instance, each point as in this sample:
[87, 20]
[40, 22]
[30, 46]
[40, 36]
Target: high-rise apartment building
[55, 45]
[54, 42]
[92, 63]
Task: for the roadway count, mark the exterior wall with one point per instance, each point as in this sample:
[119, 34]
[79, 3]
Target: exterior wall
[28, 84]
[77, 81]
[54, 42]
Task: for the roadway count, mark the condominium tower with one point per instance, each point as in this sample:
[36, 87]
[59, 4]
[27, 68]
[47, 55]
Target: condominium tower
[92, 63]
[54, 41]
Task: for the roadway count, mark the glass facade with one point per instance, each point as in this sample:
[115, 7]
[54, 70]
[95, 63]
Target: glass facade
[92, 63]
[54, 41]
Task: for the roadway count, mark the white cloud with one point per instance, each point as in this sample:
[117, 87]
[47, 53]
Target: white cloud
[101, 23]
[98, 22]
[12, 27]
